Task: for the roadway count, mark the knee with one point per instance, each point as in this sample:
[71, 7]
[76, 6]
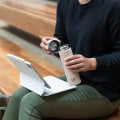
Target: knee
[30, 106]
[31, 100]
[18, 94]
[16, 97]
[25, 100]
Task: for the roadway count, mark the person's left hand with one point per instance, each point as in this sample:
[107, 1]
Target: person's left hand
[79, 63]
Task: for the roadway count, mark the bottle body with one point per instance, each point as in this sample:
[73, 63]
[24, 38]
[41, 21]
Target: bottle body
[73, 78]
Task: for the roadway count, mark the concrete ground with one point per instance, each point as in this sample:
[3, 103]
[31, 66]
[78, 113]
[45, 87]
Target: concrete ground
[27, 41]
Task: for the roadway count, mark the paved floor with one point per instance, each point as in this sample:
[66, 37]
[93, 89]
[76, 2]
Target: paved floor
[27, 41]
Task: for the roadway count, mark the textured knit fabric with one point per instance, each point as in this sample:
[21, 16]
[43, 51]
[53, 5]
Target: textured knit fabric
[93, 30]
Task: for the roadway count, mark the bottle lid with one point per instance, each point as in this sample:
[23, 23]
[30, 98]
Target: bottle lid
[64, 47]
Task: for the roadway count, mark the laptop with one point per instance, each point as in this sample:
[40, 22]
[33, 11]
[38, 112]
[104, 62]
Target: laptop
[32, 80]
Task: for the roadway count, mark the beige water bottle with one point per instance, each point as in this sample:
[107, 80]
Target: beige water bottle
[73, 78]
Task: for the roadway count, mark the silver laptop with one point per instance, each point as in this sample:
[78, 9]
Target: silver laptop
[33, 81]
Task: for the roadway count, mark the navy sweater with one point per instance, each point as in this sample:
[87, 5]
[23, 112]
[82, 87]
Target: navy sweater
[93, 30]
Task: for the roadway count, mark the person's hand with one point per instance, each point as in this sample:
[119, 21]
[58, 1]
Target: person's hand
[45, 43]
[79, 63]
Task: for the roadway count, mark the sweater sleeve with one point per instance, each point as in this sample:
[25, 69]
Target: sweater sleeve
[112, 60]
[60, 27]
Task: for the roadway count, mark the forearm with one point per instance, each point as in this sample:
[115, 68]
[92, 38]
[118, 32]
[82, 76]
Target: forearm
[109, 62]
[92, 63]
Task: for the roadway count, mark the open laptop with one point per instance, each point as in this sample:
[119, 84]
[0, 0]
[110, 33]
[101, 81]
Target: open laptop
[33, 81]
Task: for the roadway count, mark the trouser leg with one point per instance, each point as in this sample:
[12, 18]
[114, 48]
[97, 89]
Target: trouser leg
[81, 103]
[13, 106]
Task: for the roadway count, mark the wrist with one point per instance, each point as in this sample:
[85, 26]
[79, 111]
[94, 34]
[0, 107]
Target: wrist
[93, 63]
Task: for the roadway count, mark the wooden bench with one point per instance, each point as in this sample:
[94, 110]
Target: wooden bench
[9, 75]
[34, 16]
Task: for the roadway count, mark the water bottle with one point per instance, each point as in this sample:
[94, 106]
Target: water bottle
[73, 78]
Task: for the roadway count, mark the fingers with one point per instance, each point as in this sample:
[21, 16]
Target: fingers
[44, 42]
[76, 63]
[73, 60]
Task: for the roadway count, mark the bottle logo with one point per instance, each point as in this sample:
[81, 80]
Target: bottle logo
[73, 79]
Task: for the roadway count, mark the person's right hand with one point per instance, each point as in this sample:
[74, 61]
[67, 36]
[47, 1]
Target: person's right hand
[45, 43]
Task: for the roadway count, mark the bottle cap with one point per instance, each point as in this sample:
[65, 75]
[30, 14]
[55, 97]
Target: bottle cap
[64, 47]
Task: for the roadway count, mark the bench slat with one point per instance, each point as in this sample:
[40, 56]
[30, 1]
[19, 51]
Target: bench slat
[39, 25]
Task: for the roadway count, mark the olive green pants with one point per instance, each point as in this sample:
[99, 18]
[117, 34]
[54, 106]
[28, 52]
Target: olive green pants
[82, 103]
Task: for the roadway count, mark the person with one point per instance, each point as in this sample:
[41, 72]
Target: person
[92, 29]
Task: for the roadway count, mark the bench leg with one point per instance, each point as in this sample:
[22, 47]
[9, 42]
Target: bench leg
[3, 104]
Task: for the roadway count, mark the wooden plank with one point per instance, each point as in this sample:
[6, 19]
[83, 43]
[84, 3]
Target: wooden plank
[9, 75]
[38, 25]
[38, 7]
[37, 61]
